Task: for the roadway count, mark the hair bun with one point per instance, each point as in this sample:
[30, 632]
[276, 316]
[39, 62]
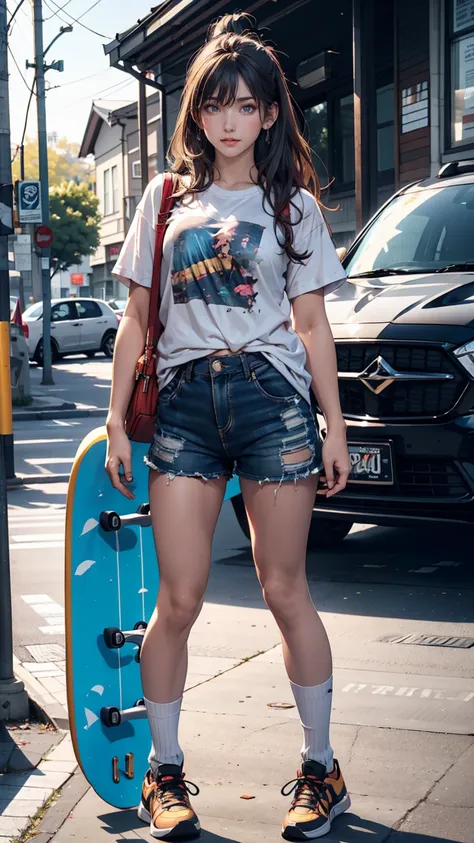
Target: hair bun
[239, 23]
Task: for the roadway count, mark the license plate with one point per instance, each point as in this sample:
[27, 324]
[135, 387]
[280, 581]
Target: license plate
[371, 464]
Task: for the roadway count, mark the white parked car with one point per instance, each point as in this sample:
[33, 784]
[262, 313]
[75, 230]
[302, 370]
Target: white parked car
[77, 326]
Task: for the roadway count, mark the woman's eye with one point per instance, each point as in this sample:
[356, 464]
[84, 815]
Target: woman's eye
[209, 108]
[251, 107]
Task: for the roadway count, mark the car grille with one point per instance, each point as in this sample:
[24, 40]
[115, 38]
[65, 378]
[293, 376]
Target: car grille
[425, 478]
[405, 399]
[418, 478]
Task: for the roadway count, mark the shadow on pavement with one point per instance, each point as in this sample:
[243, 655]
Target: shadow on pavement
[350, 828]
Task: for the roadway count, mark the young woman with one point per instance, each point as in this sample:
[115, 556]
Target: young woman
[245, 339]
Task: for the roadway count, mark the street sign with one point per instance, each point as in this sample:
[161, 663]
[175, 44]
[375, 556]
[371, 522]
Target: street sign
[29, 201]
[22, 250]
[43, 237]
[77, 278]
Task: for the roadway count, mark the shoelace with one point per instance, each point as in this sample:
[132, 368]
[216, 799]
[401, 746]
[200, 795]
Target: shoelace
[310, 792]
[174, 791]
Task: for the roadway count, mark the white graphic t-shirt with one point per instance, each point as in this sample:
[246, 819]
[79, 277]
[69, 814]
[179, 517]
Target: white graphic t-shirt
[225, 281]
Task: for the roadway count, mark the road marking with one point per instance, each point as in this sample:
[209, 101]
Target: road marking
[38, 537]
[49, 460]
[405, 691]
[48, 610]
[43, 441]
[36, 545]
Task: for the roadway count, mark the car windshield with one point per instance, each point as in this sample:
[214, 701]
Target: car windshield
[426, 230]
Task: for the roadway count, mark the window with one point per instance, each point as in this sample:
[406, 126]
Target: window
[62, 312]
[88, 309]
[35, 311]
[115, 196]
[461, 48]
[136, 170]
[317, 120]
[107, 198]
[385, 135]
[343, 144]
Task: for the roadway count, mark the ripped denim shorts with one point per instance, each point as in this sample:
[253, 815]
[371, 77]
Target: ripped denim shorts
[221, 415]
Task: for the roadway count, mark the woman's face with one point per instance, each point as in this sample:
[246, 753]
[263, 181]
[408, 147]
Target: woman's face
[232, 129]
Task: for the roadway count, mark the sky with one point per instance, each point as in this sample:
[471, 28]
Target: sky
[87, 75]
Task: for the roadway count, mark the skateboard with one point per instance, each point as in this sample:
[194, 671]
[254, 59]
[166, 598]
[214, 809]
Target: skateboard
[111, 582]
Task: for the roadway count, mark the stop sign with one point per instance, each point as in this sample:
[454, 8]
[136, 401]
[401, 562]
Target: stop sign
[43, 237]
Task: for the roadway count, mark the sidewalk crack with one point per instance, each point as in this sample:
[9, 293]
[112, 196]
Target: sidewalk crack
[424, 798]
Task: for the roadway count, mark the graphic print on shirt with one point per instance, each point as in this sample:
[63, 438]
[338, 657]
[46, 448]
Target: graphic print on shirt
[216, 262]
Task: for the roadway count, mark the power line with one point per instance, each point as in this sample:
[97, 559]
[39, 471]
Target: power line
[75, 20]
[18, 68]
[117, 87]
[82, 79]
[59, 10]
[89, 9]
[19, 5]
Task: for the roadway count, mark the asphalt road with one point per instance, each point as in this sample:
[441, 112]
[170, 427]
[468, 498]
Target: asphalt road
[378, 587]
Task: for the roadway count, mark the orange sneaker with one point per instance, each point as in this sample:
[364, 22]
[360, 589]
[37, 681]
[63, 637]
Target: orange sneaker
[319, 798]
[165, 804]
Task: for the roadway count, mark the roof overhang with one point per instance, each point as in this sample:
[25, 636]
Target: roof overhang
[104, 111]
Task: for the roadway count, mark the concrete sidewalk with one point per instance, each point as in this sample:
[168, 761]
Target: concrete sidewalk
[410, 784]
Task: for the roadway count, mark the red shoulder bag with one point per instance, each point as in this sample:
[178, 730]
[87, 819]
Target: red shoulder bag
[140, 419]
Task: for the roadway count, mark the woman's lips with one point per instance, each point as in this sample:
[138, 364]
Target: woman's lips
[230, 141]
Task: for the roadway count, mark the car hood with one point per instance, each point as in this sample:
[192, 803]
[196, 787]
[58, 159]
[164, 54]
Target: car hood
[428, 299]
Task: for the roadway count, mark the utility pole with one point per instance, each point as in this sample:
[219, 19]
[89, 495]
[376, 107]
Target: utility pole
[43, 174]
[13, 697]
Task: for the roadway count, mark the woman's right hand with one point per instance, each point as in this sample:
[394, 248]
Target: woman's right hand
[119, 452]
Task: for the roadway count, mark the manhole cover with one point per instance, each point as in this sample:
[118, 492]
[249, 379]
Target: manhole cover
[429, 640]
[47, 652]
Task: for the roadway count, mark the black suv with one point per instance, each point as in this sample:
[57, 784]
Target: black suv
[404, 332]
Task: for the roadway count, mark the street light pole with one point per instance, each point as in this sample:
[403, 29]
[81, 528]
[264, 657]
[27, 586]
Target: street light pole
[13, 698]
[43, 174]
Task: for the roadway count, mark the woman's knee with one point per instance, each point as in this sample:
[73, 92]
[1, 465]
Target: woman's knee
[179, 610]
[283, 597]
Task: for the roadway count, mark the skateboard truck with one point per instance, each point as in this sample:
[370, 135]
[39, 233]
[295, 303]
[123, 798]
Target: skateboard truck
[111, 716]
[115, 638]
[111, 522]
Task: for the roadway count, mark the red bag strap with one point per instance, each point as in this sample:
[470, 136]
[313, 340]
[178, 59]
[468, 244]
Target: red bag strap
[166, 205]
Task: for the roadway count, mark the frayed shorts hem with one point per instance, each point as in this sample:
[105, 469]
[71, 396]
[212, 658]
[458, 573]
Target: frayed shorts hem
[293, 475]
[172, 474]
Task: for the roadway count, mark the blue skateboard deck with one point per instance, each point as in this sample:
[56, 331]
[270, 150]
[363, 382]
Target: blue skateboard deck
[111, 582]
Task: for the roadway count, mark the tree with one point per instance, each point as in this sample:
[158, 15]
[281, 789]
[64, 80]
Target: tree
[75, 220]
[63, 163]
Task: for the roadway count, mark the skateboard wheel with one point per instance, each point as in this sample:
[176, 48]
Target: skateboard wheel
[140, 702]
[140, 625]
[110, 716]
[114, 638]
[144, 509]
[110, 521]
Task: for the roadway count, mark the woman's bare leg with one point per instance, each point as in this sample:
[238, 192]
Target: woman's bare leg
[279, 525]
[279, 520]
[184, 513]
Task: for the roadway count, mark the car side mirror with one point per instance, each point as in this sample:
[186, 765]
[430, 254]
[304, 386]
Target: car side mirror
[341, 252]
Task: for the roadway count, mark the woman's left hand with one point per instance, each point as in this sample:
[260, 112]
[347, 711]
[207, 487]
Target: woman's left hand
[336, 461]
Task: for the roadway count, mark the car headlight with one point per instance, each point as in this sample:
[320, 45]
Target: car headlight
[465, 355]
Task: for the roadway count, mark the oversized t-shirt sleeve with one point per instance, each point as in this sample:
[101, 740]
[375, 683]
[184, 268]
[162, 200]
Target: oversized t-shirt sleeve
[322, 269]
[135, 261]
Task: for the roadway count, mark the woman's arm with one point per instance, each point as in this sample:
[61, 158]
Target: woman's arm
[311, 323]
[129, 346]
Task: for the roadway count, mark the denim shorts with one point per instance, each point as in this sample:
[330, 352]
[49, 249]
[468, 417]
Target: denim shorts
[234, 414]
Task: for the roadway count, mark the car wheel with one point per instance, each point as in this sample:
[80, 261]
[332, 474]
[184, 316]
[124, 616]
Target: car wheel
[90, 354]
[38, 355]
[241, 515]
[108, 343]
[327, 532]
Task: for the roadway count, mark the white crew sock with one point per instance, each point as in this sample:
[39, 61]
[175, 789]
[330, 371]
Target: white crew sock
[164, 721]
[314, 707]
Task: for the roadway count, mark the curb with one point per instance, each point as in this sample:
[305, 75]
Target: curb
[52, 713]
[35, 479]
[37, 415]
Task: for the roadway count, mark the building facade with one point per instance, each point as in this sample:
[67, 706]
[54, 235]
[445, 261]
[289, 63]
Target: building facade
[385, 89]
[112, 137]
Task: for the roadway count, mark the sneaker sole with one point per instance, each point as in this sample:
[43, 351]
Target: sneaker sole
[182, 830]
[293, 833]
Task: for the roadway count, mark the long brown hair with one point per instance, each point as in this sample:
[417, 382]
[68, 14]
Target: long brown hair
[234, 49]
